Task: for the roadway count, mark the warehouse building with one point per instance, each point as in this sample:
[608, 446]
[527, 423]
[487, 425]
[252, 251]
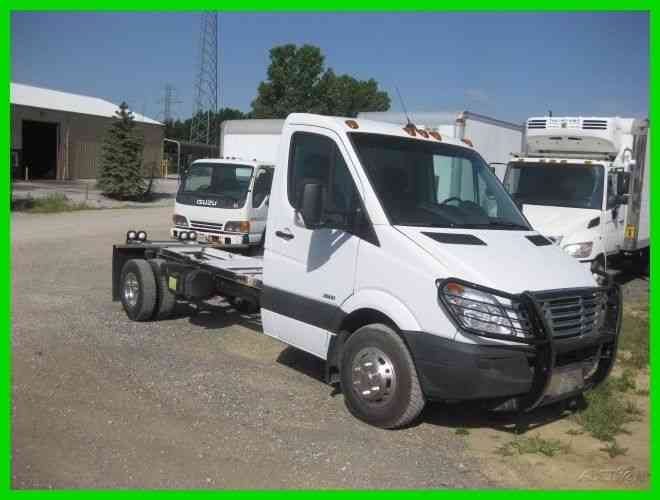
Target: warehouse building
[57, 135]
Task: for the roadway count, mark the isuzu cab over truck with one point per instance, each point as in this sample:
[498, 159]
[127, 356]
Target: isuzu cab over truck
[395, 255]
[584, 183]
[223, 201]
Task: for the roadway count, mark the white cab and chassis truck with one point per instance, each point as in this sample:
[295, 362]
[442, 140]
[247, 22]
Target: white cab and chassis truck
[584, 183]
[395, 255]
[223, 201]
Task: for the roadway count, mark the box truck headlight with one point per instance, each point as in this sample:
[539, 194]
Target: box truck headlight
[179, 220]
[237, 226]
[579, 250]
[482, 312]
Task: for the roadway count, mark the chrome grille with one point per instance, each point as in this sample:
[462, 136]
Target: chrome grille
[572, 315]
[208, 227]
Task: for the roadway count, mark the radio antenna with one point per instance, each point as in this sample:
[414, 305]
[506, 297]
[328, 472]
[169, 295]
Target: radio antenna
[403, 105]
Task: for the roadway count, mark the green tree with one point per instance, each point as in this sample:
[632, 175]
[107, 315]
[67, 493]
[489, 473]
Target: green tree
[180, 129]
[121, 173]
[298, 82]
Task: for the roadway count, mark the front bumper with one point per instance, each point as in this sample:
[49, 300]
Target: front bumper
[220, 238]
[516, 377]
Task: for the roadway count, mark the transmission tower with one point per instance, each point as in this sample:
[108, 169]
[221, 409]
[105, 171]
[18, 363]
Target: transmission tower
[205, 103]
[168, 100]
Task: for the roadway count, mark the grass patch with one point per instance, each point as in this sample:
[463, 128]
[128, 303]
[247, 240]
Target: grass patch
[633, 410]
[606, 412]
[534, 445]
[623, 383]
[51, 203]
[635, 338]
[574, 432]
[642, 392]
[462, 432]
[614, 450]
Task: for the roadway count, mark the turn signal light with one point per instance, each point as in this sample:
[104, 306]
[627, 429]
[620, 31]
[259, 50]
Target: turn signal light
[468, 142]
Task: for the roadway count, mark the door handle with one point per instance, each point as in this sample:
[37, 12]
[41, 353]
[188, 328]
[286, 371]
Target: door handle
[285, 235]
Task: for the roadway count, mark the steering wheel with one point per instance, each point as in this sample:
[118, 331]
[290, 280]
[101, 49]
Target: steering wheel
[451, 198]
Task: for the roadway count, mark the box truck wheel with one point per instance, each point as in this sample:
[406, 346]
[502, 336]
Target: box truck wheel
[378, 378]
[165, 299]
[138, 289]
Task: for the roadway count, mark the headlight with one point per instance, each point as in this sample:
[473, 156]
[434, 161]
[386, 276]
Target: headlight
[238, 227]
[483, 312]
[179, 220]
[579, 250]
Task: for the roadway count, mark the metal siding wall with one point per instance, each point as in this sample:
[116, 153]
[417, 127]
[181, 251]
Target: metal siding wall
[86, 134]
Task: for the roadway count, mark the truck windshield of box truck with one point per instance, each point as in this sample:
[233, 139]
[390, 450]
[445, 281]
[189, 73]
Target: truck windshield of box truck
[429, 184]
[556, 184]
[227, 184]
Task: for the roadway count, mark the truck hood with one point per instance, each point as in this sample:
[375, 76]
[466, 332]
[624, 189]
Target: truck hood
[558, 221]
[505, 260]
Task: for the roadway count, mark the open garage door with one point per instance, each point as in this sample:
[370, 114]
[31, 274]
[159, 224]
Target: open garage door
[40, 149]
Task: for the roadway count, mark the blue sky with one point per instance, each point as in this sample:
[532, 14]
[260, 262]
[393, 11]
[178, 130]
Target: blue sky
[508, 65]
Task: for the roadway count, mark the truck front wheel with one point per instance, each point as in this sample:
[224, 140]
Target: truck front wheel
[138, 290]
[378, 378]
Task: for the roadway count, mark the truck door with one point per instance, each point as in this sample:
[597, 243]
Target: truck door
[260, 194]
[614, 219]
[308, 273]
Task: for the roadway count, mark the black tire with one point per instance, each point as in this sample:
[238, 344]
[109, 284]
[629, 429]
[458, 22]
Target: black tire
[138, 290]
[404, 401]
[165, 299]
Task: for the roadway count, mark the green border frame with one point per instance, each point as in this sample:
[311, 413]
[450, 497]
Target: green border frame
[306, 5]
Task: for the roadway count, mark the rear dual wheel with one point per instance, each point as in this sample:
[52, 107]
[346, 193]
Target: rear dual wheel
[144, 291]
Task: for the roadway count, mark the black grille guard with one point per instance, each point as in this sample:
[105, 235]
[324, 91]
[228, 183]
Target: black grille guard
[542, 342]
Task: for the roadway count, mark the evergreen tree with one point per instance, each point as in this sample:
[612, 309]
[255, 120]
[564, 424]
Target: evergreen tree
[121, 163]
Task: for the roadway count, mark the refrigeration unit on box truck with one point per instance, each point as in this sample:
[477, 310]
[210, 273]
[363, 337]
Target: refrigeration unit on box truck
[495, 139]
[395, 255]
[584, 182]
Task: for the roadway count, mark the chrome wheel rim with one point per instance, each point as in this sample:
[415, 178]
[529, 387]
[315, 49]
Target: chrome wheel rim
[131, 289]
[373, 376]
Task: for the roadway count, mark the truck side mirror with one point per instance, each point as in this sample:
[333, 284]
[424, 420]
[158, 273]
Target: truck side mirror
[311, 206]
[623, 183]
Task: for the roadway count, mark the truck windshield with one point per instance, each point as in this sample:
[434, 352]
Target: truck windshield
[556, 184]
[431, 184]
[225, 183]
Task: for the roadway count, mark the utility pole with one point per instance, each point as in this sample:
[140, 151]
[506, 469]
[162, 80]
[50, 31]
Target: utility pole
[205, 102]
[168, 100]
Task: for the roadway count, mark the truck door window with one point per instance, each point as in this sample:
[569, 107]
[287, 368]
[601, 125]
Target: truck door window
[261, 187]
[317, 159]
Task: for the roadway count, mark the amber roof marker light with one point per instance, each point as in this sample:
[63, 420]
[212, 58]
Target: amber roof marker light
[352, 124]
[435, 135]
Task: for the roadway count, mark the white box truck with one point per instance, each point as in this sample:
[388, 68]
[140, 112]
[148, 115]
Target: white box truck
[496, 140]
[395, 255]
[584, 182]
[251, 139]
[224, 200]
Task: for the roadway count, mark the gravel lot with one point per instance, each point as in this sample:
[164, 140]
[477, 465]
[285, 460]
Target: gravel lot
[193, 402]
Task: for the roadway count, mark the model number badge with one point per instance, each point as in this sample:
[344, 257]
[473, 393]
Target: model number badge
[208, 203]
